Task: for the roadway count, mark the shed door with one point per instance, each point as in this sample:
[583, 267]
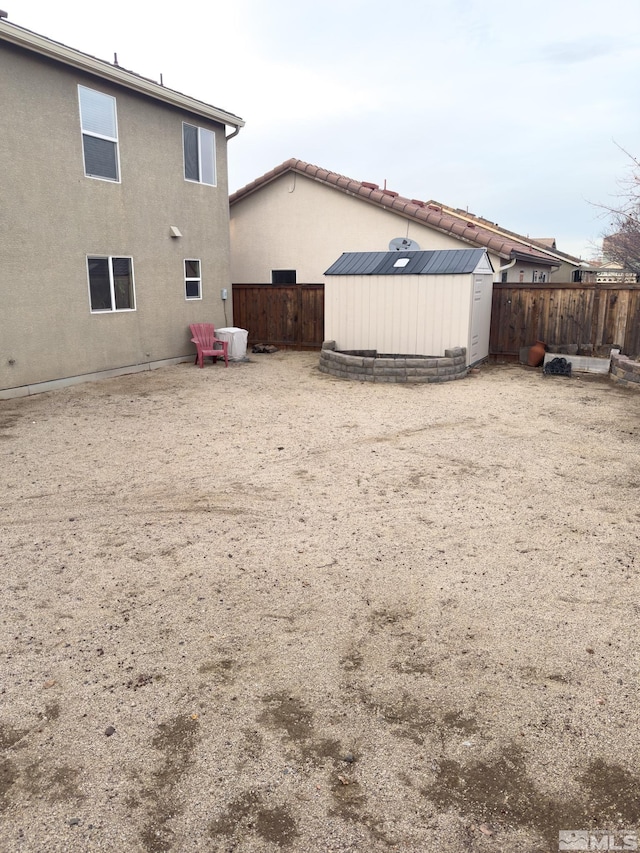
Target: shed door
[480, 318]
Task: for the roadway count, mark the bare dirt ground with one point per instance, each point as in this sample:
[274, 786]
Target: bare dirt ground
[262, 609]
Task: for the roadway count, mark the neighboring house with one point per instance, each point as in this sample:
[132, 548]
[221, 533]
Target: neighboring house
[289, 225]
[615, 264]
[622, 249]
[606, 272]
[114, 216]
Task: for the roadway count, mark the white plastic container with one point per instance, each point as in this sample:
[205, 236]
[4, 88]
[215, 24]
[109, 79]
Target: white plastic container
[237, 340]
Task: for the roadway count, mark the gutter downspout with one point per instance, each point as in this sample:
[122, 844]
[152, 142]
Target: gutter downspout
[235, 133]
[506, 267]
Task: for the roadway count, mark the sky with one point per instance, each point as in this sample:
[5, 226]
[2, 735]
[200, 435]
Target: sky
[519, 111]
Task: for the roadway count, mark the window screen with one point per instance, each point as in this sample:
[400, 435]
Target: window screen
[192, 279]
[111, 284]
[99, 134]
[199, 147]
[100, 158]
[190, 139]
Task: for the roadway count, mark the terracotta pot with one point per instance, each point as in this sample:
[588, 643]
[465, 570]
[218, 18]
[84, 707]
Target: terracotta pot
[536, 354]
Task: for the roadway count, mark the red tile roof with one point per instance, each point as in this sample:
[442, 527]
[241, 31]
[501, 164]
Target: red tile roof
[464, 226]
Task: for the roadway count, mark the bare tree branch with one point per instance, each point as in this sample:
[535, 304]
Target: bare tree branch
[621, 243]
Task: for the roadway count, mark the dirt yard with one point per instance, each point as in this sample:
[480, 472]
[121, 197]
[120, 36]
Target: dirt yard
[262, 609]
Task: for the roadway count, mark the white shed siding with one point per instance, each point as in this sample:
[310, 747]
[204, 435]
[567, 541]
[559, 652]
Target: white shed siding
[422, 315]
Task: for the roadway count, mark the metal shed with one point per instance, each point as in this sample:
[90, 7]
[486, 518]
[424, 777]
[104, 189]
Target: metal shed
[411, 303]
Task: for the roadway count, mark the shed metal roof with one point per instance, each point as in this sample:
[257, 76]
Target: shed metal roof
[440, 262]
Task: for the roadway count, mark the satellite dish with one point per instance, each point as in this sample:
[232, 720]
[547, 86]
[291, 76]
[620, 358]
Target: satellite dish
[403, 244]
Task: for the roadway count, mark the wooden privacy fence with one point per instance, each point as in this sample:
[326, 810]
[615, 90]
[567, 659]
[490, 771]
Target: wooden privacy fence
[288, 316]
[291, 316]
[597, 315]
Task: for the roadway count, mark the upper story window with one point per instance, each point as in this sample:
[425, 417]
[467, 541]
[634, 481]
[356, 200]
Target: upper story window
[111, 284]
[199, 154]
[99, 134]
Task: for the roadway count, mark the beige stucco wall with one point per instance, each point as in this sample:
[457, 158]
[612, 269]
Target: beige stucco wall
[298, 223]
[52, 217]
[564, 273]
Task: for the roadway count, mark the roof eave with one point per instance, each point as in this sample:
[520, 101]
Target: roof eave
[503, 244]
[562, 257]
[91, 65]
[258, 183]
[535, 258]
[376, 197]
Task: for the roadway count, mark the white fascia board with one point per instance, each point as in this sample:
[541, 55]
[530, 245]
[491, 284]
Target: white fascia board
[82, 61]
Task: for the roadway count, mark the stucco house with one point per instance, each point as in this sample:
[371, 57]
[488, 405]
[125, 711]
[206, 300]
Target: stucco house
[290, 225]
[114, 216]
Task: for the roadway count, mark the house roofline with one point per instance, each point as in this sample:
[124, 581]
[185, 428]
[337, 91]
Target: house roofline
[36, 43]
[562, 257]
[505, 244]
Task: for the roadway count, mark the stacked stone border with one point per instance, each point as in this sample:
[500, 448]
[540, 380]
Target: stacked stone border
[626, 372]
[368, 366]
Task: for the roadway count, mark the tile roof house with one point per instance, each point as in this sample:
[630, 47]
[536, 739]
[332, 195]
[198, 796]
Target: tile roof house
[291, 224]
[114, 216]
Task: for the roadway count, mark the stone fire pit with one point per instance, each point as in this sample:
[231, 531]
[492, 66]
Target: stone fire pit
[371, 366]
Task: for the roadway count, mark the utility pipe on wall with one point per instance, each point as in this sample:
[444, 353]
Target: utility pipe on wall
[505, 268]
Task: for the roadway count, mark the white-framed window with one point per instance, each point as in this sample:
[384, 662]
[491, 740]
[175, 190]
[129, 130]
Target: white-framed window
[111, 286]
[192, 279]
[99, 125]
[199, 147]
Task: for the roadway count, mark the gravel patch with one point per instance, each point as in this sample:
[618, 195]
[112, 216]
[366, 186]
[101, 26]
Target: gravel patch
[263, 609]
